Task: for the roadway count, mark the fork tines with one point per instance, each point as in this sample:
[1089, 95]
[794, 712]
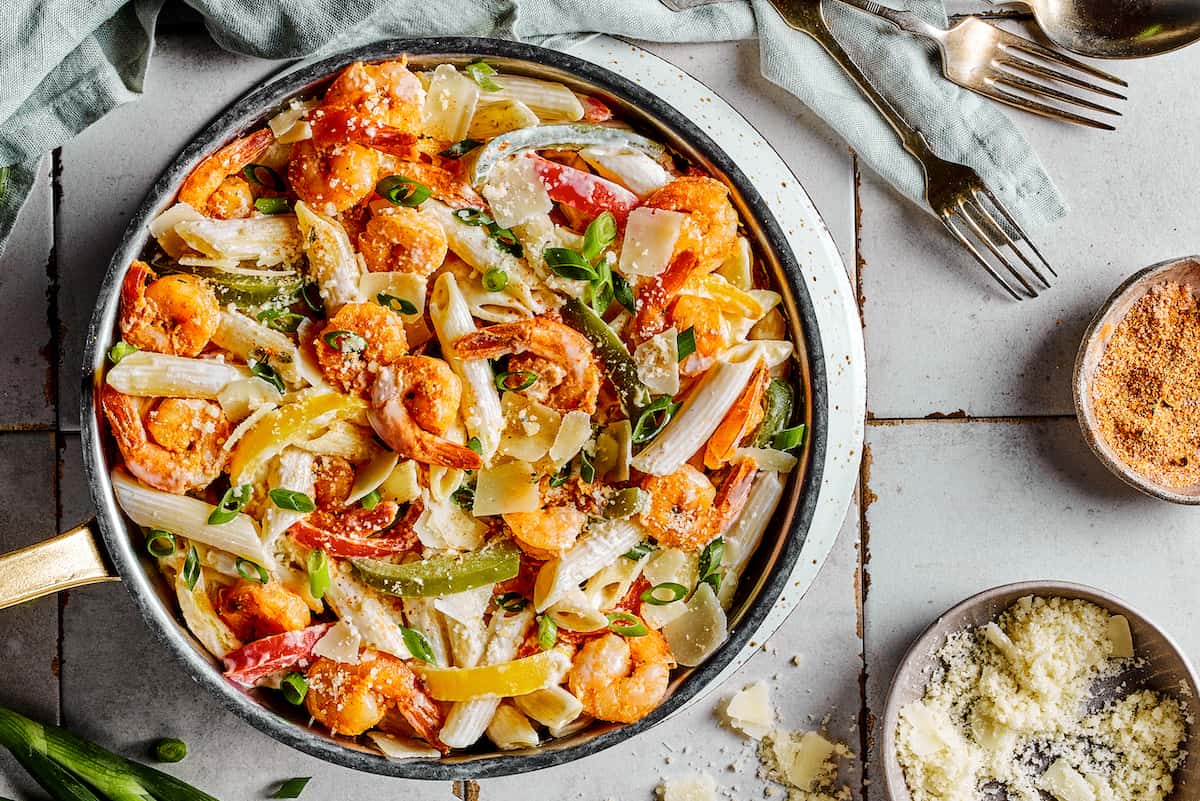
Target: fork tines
[988, 239]
[1020, 55]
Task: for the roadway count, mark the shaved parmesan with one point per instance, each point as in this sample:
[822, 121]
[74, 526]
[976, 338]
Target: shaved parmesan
[750, 712]
[1003, 644]
[405, 286]
[701, 787]
[515, 192]
[574, 431]
[445, 524]
[372, 475]
[650, 237]
[403, 485]
[738, 267]
[1066, 784]
[1121, 637]
[530, 428]
[805, 760]
[239, 398]
[506, 488]
[668, 565]
[450, 103]
[657, 361]
[696, 634]
[768, 459]
[466, 607]
[396, 748]
[162, 228]
[340, 643]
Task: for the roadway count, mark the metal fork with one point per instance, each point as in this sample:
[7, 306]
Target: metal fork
[955, 192]
[993, 62]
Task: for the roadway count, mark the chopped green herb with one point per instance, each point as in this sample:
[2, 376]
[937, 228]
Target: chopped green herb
[547, 635]
[310, 293]
[568, 263]
[370, 500]
[668, 592]
[291, 500]
[587, 470]
[474, 444]
[120, 351]
[638, 551]
[512, 601]
[294, 688]
[464, 496]
[160, 543]
[654, 419]
[789, 438]
[319, 578]
[685, 342]
[515, 382]
[263, 175]
[460, 148]
[401, 191]
[280, 319]
[626, 624]
[272, 205]
[292, 788]
[345, 341]
[560, 478]
[481, 73]
[506, 239]
[494, 280]
[170, 749]
[398, 305]
[473, 216]
[190, 573]
[600, 233]
[418, 646]
[623, 293]
[252, 571]
[267, 373]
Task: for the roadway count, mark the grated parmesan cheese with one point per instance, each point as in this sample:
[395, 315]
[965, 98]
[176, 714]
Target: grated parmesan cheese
[806, 764]
[1009, 707]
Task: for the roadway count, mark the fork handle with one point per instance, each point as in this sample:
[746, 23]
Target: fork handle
[914, 142]
[904, 20]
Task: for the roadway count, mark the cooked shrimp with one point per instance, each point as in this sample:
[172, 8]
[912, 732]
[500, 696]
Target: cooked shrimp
[547, 533]
[706, 202]
[215, 189]
[656, 295]
[444, 184]
[413, 403]
[403, 240]
[333, 478]
[621, 679]
[713, 330]
[741, 419]
[560, 356]
[680, 505]
[175, 314]
[256, 610]
[357, 341]
[350, 699]
[731, 497]
[194, 430]
[386, 92]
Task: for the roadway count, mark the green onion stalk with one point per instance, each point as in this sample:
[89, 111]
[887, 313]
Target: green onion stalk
[71, 768]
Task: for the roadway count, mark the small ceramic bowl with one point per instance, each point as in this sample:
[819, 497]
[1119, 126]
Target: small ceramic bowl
[1184, 271]
[1166, 669]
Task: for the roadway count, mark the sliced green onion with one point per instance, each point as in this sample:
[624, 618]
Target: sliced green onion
[398, 305]
[291, 500]
[472, 216]
[668, 592]
[547, 635]
[601, 232]
[170, 749]
[710, 557]
[252, 571]
[345, 341]
[3, 181]
[623, 293]
[506, 239]
[587, 470]
[292, 788]
[232, 503]
[191, 568]
[264, 370]
[560, 478]
[401, 191]
[512, 601]
[685, 343]
[638, 551]
[417, 645]
[481, 73]
[370, 500]
[120, 351]
[310, 293]
[263, 175]
[460, 148]
[464, 496]
[160, 543]
[567, 263]
[654, 419]
[319, 578]
[294, 688]
[494, 280]
[280, 319]
[626, 625]
[474, 444]
[271, 205]
[789, 438]
[515, 382]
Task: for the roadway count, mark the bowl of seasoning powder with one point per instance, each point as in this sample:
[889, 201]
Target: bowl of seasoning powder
[1137, 381]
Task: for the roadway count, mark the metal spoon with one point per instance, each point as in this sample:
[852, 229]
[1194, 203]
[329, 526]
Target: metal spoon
[1117, 28]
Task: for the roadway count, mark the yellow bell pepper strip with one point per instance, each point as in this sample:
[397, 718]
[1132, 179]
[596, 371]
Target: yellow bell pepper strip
[285, 426]
[499, 560]
[503, 680]
[613, 355]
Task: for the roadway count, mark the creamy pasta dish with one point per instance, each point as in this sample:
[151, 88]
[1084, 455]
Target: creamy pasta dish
[451, 408]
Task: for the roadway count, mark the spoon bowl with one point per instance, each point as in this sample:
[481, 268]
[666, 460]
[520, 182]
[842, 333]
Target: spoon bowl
[1118, 28]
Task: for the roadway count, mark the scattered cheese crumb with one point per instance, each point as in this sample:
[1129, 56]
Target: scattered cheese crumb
[805, 763]
[700, 787]
[749, 711]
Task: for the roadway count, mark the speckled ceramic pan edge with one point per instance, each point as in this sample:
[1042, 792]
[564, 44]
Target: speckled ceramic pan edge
[820, 303]
[1167, 668]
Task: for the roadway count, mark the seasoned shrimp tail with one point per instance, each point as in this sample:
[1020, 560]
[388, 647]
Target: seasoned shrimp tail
[335, 126]
[413, 402]
[219, 172]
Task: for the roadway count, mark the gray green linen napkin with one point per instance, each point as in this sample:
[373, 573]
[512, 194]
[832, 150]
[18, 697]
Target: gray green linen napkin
[66, 63]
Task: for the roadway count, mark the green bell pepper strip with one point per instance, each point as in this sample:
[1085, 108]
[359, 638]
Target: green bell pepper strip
[614, 356]
[567, 136]
[248, 291]
[625, 503]
[445, 575]
[778, 402]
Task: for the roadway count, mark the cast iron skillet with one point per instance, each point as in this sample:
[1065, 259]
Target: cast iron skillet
[75, 558]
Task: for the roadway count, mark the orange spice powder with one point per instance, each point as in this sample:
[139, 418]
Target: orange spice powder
[1146, 391]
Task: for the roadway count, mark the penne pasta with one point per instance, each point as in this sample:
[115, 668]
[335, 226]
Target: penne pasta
[187, 517]
[422, 616]
[743, 537]
[509, 729]
[157, 375]
[292, 470]
[268, 240]
[600, 544]
[371, 618]
[331, 259]
[162, 228]
[550, 100]
[342, 438]
[243, 396]
[553, 707]
[493, 119]
[251, 340]
[631, 168]
[467, 720]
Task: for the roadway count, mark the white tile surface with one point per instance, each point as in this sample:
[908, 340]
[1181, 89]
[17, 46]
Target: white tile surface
[940, 338]
[962, 506]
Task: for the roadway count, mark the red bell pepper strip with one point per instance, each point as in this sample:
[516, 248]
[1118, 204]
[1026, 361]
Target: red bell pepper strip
[594, 110]
[256, 660]
[349, 535]
[582, 190]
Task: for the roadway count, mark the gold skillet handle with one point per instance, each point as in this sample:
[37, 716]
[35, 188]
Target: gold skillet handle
[69, 560]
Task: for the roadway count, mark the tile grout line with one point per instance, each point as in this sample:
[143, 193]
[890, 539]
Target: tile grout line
[57, 441]
[881, 422]
[860, 578]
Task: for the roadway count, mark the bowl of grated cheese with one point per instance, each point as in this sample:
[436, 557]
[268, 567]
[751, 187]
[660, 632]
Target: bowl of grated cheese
[1041, 691]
